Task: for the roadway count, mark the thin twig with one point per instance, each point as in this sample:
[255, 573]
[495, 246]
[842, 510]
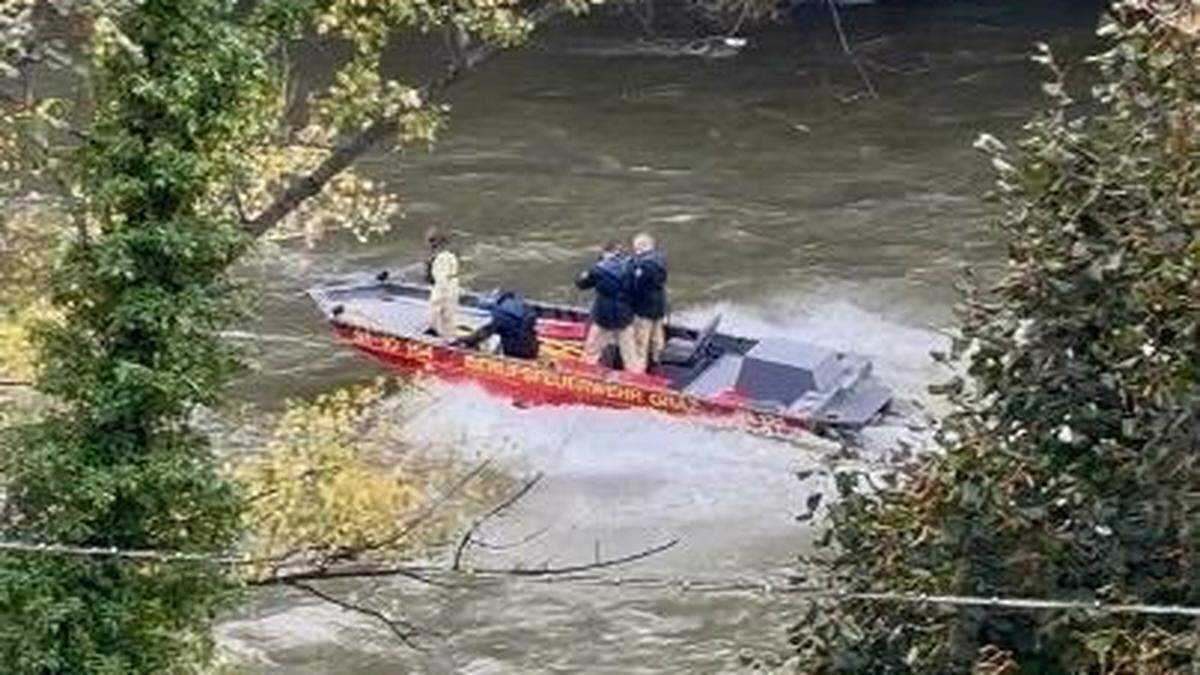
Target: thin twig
[738, 26]
[862, 73]
[428, 511]
[587, 567]
[340, 555]
[499, 508]
[512, 544]
[402, 629]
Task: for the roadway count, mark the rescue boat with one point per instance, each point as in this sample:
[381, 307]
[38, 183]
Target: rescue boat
[771, 386]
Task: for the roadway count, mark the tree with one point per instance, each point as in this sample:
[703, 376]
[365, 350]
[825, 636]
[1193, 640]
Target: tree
[174, 157]
[1072, 460]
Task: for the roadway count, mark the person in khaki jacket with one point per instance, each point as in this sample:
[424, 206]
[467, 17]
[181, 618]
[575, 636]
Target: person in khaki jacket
[441, 272]
[611, 311]
[648, 279]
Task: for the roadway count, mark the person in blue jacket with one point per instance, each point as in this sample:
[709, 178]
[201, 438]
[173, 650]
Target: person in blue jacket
[612, 311]
[514, 321]
[649, 294]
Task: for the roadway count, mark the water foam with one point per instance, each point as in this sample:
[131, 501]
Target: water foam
[629, 479]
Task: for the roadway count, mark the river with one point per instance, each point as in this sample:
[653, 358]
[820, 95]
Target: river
[784, 198]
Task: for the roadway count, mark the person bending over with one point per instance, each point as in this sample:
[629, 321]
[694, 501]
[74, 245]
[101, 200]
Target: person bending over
[512, 320]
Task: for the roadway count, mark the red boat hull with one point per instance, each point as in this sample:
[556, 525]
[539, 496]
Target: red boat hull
[564, 381]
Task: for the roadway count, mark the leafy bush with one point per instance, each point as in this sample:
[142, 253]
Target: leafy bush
[1071, 458]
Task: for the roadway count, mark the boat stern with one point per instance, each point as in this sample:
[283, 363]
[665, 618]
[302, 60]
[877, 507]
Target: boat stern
[801, 381]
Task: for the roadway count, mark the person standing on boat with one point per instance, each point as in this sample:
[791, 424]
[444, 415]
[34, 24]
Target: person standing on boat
[612, 313]
[512, 320]
[649, 295]
[441, 273]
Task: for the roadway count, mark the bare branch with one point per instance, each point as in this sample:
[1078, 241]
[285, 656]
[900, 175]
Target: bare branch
[308, 186]
[588, 567]
[499, 508]
[414, 572]
[405, 631]
[427, 512]
[841, 33]
[422, 573]
[314, 559]
[402, 629]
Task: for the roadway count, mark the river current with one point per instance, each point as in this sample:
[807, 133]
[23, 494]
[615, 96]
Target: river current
[785, 199]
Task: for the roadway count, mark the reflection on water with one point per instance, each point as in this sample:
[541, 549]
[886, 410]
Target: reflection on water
[780, 204]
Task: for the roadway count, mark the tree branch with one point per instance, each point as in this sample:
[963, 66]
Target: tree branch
[421, 573]
[427, 512]
[308, 186]
[402, 629]
[324, 559]
[499, 508]
[841, 33]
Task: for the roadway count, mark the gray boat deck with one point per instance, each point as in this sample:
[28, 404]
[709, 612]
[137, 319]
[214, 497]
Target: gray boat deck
[399, 316]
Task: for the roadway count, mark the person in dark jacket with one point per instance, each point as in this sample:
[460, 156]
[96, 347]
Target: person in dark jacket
[512, 320]
[649, 300]
[612, 313]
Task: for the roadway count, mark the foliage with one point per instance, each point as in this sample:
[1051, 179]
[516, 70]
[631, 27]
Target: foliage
[318, 492]
[29, 239]
[147, 168]
[1071, 460]
[16, 352]
[33, 225]
[330, 486]
[135, 352]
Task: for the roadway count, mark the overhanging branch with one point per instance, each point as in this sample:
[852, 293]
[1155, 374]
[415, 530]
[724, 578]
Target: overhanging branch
[346, 153]
[361, 571]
